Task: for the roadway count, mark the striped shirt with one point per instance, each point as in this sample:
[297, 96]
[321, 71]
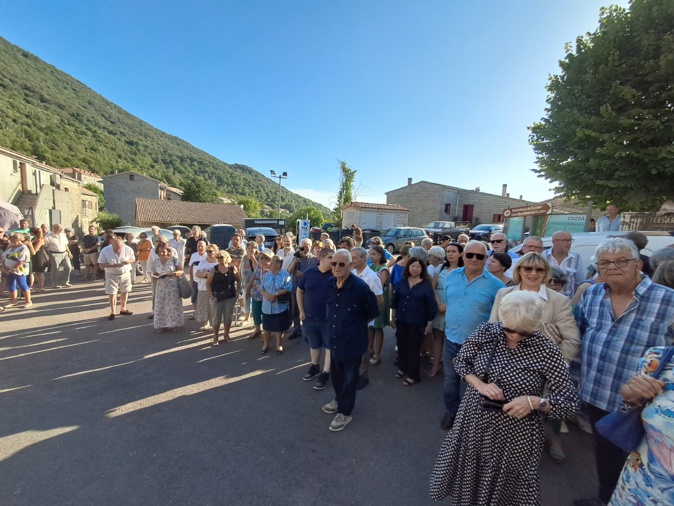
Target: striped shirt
[612, 347]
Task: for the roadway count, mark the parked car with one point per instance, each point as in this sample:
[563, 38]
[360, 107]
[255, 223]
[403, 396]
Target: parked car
[220, 234]
[183, 230]
[268, 233]
[136, 231]
[394, 238]
[436, 229]
[485, 231]
[585, 243]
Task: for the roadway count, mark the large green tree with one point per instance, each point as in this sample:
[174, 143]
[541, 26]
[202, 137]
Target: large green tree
[199, 190]
[251, 206]
[315, 217]
[608, 133]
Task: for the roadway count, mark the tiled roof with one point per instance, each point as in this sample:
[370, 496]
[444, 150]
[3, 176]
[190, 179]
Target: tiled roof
[191, 213]
[88, 192]
[381, 207]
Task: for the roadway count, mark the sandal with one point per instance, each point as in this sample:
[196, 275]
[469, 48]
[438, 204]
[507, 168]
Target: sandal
[408, 382]
[400, 374]
[375, 359]
[216, 343]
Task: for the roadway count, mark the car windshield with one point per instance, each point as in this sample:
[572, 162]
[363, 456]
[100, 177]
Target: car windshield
[482, 227]
[390, 232]
[434, 224]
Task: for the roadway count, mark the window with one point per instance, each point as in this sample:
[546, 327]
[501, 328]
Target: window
[497, 218]
[132, 177]
[448, 207]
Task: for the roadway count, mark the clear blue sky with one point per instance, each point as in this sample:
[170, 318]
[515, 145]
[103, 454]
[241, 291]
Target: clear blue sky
[441, 90]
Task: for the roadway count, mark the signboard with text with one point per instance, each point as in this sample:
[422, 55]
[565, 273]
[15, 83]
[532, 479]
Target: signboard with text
[531, 210]
[572, 223]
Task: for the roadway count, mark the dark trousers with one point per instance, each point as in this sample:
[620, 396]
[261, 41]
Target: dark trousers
[295, 311]
[409, 339]
[344, 377]
[609, 458]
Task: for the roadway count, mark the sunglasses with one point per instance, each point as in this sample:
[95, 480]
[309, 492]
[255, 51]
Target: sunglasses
[220, 258]
[555, 282]
[519, 332]
[497, 241]
[529, 270]
[335, 264]
[479, 256]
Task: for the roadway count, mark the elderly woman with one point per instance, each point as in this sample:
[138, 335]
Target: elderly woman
[376, 330]
[557, 279]
[201, 271]
[498, 264]
[275, 290]
[222, 286]
[453, 260]
[248, 264]
[413, 308]
[254, 287]
[436, 256]
[557, 322]
[664, 274]
[16, 260]
[168, 306]
[492, 453]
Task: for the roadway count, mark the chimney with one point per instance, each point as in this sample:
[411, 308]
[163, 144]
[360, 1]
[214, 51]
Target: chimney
[521, 197]
[409, 181]
[503, 191]
[477, 188]
[507, 195]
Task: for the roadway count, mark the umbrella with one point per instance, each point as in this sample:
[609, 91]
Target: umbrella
[9, 215]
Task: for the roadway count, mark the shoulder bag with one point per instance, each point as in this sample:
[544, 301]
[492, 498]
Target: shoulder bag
[624, 427]
[184, 287]
[487, 404]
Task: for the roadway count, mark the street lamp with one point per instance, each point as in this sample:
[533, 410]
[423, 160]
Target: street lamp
[280, 177]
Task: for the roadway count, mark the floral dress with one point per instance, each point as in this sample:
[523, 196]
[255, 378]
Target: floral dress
[168, 306]
[648, 475]
[489, 457]
[384, 318]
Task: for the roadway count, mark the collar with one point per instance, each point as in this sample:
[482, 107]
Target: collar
[542, 291]
[639, 290]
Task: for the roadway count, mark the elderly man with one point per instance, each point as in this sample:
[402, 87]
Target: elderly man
[499, 244]
[197, 235]
[560, 255]
[178, 244]
[427, 243]
[619, 320]
[90, 244]
[155, 234]
[469, 295]
[312, 294]
[302, 260]
[56, 243]
[610, 222]
[531, 243]
[259, 240]
[117, 260]
[360, 269]
[350, 306]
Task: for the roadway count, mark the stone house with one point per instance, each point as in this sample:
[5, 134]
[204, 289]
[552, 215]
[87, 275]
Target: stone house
[121, 191]
[44, 194]
[433, 201]
[84, 176]
[374, 216]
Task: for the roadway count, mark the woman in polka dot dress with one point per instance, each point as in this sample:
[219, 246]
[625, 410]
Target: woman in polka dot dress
[491, 457]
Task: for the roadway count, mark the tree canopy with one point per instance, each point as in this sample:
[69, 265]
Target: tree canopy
[199, 190]
[315, 217]
[251, 207]
[347, 177]
[608, 134]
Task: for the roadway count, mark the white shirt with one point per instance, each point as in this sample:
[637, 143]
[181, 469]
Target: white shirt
[56, 243]
[372, 280]
[572, 265]
[204, 267]
[109, 256]
[287, 258]
[179, 246]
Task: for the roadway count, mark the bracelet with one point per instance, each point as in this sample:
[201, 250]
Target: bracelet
[530, 405]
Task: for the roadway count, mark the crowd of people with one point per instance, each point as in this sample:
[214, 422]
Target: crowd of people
[525, 342]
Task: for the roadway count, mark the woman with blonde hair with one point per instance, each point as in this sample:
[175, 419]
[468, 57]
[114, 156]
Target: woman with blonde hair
[222, 286]
[201, 271]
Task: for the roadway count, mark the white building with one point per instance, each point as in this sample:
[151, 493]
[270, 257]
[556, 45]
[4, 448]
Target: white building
[369, 216]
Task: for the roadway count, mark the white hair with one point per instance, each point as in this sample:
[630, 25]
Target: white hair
[521, 310]
[616, 245]
[345, 252]
[426, 241]
[419, 252]
[437, 252]
[362, 252]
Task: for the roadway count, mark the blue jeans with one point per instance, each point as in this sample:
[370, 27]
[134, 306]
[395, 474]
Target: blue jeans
[454, 386]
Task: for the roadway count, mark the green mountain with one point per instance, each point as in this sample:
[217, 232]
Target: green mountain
[47, 114]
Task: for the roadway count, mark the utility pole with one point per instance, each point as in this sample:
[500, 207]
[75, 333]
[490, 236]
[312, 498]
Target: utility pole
[280, 177]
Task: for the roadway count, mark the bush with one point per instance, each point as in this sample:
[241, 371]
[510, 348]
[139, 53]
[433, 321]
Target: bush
[108, 220]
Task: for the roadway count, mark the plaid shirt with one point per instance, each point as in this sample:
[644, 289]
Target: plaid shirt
[611, 347]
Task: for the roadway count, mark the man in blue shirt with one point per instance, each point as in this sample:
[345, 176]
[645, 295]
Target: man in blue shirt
[313, 285]
[350, 306]
[619, 321]
[610, 222]
[469, 295]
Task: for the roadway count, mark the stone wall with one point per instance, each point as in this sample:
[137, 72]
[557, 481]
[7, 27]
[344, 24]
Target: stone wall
[121, 193]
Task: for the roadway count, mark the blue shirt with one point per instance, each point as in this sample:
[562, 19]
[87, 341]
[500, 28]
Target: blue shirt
[416, 305]
[349, 310]
[468, 304]
[314, 284]
[272, 284]
[611, 348]
[606, 225]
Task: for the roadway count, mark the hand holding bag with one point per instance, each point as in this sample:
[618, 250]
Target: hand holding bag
[624, 427]
[487, 404]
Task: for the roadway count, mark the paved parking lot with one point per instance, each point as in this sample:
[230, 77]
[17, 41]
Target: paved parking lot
[108, 412]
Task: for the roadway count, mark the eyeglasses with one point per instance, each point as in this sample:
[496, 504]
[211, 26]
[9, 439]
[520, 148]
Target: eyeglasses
[220, 258]
[335, 264]
[529, 270]
[497, 241]
[479, 256]
[211, 250]
[532, 248]
[620, 263]
[555, 282]
[519, 332]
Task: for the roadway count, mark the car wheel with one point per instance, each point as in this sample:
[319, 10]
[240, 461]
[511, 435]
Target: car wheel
[390, 248]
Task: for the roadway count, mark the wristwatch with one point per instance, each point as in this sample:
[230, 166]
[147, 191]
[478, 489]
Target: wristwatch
[543, 403]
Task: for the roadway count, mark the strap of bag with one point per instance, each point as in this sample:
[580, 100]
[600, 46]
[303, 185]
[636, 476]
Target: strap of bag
[490, 360]
[664, 360]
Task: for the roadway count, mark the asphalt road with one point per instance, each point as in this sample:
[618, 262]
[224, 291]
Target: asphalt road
[108, 412]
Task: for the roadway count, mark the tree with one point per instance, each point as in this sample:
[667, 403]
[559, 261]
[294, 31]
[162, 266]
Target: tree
[609, 130]
[345, 194]
[199, 190]
[107, 220]
[314, 215]
[251, 207]
[98, 191]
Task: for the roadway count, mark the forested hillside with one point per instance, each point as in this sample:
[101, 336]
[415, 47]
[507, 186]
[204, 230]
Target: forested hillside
[51, 116]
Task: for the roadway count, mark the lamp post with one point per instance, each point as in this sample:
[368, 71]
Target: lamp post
[280, 177]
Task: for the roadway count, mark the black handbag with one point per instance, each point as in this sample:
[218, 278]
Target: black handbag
[624, 427]
[487, 404]
[281, 299]
[228, 292]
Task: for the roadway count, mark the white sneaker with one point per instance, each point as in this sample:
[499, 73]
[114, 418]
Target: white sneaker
[339, 422]
[330, 407]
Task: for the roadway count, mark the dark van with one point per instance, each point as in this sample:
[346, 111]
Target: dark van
[220, 234]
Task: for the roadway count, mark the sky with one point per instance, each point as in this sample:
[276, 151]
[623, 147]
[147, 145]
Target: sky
[435, 90]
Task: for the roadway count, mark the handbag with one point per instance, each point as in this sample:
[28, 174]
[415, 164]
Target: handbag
[624, 427]
[281, 299]
[487, 404]
[184, 287]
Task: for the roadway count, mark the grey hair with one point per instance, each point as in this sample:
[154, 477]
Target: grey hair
[305, 241]
[437, 252]
[615, 245]
[664, 274]
[345, 252]
[534, 238]
[426, 241]
[362, 252]
[521, 310]
[259, 236]
[419, 252]
[473, 241]
[559, 274]
[660, 256]
[277, 259]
